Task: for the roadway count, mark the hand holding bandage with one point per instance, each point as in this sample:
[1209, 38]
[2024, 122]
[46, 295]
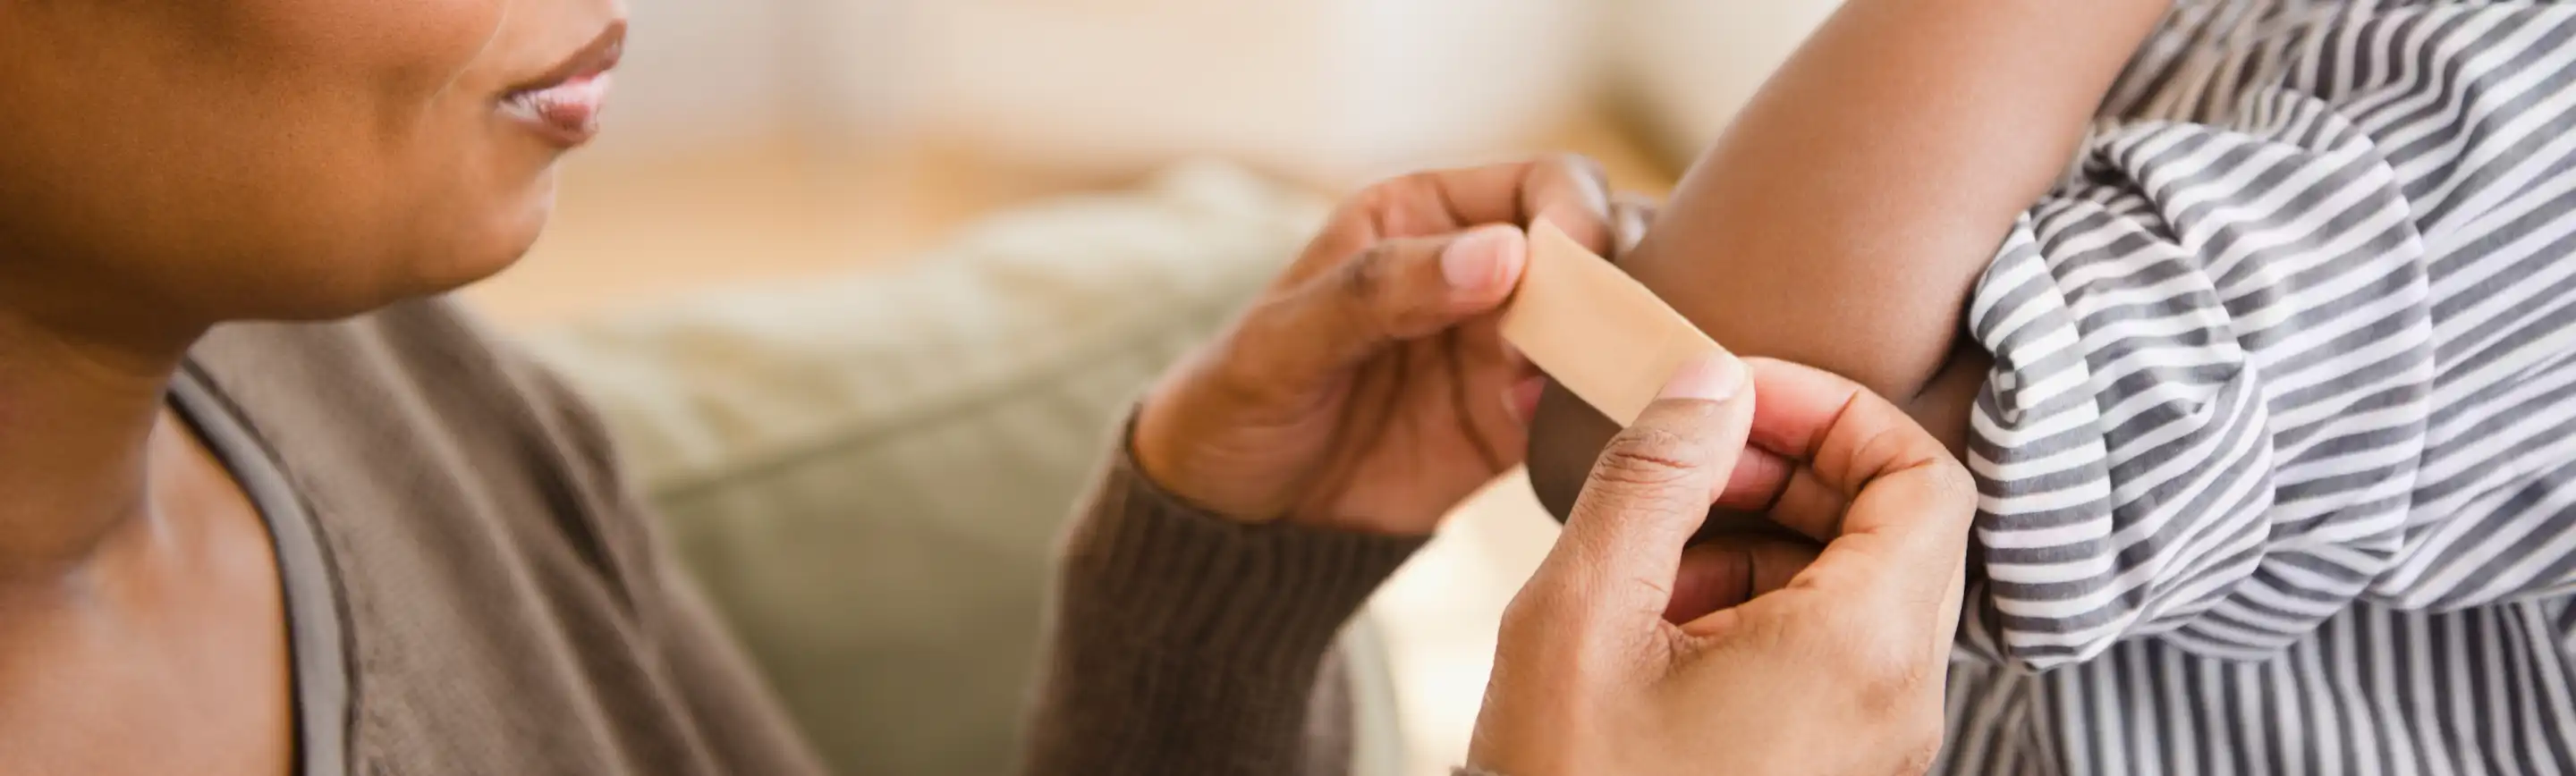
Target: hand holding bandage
[1360, 394]
[1629, 653]
[1368, 388]
[1632, 650]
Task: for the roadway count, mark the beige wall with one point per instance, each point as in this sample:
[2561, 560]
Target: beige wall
[1326, 89]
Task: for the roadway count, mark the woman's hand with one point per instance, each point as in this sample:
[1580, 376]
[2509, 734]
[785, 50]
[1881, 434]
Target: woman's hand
[1368, 388]
[1627, 653]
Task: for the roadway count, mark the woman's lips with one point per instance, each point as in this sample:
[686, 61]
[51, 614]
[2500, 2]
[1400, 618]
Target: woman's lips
[568, 112]
[565, 104]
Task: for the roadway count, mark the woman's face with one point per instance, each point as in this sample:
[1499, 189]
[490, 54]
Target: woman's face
[211, 159]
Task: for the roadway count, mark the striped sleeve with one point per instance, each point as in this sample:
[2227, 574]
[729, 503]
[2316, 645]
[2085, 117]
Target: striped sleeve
[2318, 345]
[2212, 359]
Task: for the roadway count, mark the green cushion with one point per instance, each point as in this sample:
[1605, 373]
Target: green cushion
[867, 472]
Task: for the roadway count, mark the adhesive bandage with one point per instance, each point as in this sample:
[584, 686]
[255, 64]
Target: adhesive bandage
[1595, 330]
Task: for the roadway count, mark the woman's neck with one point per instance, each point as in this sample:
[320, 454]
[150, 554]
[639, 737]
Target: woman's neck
[80, 411]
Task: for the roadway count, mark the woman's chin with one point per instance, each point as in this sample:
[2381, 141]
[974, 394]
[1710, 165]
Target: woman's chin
[406, 278]
[478, 254]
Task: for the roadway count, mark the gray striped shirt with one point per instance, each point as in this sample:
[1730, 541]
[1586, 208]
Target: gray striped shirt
[2277, 453]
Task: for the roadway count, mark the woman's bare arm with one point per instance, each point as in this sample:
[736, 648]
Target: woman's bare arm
[1845, 215]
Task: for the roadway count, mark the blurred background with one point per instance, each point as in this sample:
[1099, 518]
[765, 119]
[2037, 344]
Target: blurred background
[818, 230]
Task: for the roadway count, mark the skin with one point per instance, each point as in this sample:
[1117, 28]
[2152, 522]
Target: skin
[1366, 391]
[1845, 215]
[1627, 653]
[1367, 388]
[192, 163]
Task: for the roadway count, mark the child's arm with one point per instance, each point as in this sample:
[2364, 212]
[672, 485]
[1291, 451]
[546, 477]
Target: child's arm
[1844, 217]
[2273, 355]
[1846, 214]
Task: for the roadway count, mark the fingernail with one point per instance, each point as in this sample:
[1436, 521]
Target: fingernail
[1597, 197]
[1713, 376]
[1632, 230]
[1473, 260]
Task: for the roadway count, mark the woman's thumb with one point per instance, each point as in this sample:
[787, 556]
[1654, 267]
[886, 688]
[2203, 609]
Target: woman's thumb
[1394, 291]
[1650, 491]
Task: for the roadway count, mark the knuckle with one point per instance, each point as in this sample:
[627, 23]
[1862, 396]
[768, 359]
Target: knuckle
[1874, 447]
[1368, 275]
[1581, 165]
[1386, 189]
[1889, 677]
[1544, 604]
[1522, 623]
[1382, 304]
[1393, 201]
[1391, 205]
[1527, 611]
[1648, 456]
[1881, 448]
[1919, 748]
[1890, 683]
[1952, 483]
[1540, 621]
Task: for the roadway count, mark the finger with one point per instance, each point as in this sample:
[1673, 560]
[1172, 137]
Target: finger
[1396, 290]
[1727, 571]
[1499, 363]
[1944, 404]
[1478, 365]
[1569, 190]
[1630, 215]
[1760, 477]
[1908, 504]
[1522, 398]
[1759, 483]
[1771, 488]
[1578, 434]
[1649, 491]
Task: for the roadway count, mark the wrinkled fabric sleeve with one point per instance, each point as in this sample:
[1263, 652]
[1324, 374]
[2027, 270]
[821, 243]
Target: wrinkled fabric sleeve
[1180, 642]
[2236, 382]
[2209, 398]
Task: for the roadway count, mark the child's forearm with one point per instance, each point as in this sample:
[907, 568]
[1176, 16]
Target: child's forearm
[1845, 215]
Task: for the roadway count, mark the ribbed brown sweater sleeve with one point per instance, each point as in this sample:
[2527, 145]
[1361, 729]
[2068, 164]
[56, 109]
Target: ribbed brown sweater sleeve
[1183, 643]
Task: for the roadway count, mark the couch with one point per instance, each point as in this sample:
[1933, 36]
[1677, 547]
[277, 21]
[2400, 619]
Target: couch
[867, 472]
